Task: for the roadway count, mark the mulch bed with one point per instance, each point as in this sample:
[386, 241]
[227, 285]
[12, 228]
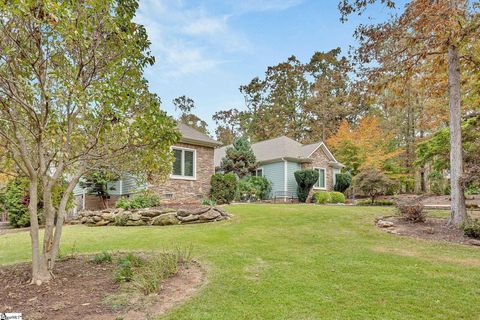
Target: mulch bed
[432, 229]
[80, 289]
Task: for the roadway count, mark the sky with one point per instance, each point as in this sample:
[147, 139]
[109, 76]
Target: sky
[207, 49]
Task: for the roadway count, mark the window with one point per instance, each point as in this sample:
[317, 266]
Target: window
[258, 173]
[184, 164]
[321, 178]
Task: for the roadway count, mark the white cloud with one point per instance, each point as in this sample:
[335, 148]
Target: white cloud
[188, 40]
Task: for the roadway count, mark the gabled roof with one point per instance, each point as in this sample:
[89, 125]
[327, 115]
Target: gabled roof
[278, 148]
[192, 136]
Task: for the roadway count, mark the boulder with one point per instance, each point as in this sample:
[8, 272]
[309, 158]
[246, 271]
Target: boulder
[135, 223]
[189, 218]
[102, 223]
[384, 224]
[96, 218]
[109, 216]
[209, 215]
[165, 220]
[193, 211]
[473, 242]
[135, 216]
[156, 212]
[221, 211]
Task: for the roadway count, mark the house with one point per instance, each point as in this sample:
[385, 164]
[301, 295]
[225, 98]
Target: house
[279, 158]
[189, 181]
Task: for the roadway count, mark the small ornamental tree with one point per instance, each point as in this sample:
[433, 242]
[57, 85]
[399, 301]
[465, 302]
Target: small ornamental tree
[239, 158]
[306, 179]
[73, 99]
[372, 182]
[342, 182]
[97, 183]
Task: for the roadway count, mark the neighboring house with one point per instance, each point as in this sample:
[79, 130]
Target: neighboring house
[189, 181]
[279, 158]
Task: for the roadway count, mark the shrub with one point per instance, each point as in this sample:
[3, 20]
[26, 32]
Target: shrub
[472, 229]
[306, 179]
[209, 202]
[368, 202]
[262, 185]
[372, 182]
[337, 197]
[103, 257]
[322, 197]
[384, 203]
[342, 182]
[121, 219]
[140, 200]
[413, 212]
[223, 187]
[254, 188]
[16, 202]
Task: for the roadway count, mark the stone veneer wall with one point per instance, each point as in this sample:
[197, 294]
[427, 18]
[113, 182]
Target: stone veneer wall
[320, 160]
[189, 191]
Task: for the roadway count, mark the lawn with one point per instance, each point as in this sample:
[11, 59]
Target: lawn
[300, 262]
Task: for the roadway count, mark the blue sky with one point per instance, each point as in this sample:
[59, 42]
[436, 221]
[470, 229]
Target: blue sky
[206, 49]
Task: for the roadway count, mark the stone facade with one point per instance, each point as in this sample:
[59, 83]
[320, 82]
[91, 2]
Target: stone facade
[321, 160]
[189, 190]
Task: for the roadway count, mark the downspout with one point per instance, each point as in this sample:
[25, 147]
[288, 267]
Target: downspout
[285, 164]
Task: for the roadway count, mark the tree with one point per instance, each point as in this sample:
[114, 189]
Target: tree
[98, 183]
[239, 158]
[185, 105]
[306, 179]
[426, 28]
[304, 101]
[367, 145]
[72, 100]
[228, 125]
[372, 182]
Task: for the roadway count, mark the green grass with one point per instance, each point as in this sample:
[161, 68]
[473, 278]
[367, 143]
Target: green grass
[300, 262]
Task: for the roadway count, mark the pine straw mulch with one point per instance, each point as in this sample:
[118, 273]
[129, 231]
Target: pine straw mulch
[84, 290]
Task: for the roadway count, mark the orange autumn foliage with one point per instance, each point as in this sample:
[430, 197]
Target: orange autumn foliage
[366, 145]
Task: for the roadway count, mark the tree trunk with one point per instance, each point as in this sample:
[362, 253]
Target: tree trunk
[40, 272]
[459, 211]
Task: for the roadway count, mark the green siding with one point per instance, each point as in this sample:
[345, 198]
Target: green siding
[274, 172]
[291, 182]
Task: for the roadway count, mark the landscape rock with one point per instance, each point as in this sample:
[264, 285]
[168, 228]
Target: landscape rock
[189, 218]
[473, 242]
[151, 216]
[384, 224]
[209, 215]
[135, 223]
[165, 220]
[135, 216]
[102, 223]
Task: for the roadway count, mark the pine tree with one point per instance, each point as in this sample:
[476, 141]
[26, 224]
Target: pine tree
[239, 158]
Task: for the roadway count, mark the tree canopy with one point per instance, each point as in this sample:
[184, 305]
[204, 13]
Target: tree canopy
[73, 99]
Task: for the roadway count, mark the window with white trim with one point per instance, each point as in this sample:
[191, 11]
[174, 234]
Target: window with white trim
[258, 172]
[321, 182]
[184, 164]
